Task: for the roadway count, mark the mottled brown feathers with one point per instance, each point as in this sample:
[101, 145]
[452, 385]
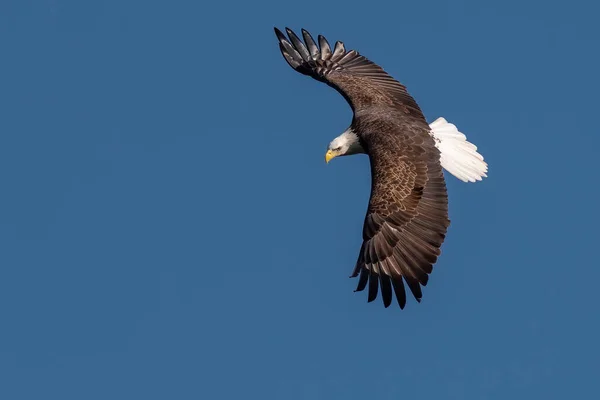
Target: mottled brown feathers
[360, 81]
[407, 216]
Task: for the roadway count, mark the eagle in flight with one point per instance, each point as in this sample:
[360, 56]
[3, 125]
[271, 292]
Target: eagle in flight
[407, 216]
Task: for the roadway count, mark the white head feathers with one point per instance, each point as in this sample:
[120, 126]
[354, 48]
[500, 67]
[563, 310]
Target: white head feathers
[346, 144]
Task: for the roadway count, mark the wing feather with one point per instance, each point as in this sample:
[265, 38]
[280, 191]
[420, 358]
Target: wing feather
[338, 51]
[362, 82]
[313, 49]
[399, 292]
[298, 45]
[407, 217]
[325, 49]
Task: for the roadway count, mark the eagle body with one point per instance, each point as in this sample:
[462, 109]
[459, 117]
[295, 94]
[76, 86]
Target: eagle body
[407, 216]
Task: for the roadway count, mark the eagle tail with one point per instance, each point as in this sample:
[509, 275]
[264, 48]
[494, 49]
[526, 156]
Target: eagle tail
[458, 156]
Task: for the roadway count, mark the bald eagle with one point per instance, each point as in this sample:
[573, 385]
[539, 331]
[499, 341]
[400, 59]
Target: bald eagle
[407, 215]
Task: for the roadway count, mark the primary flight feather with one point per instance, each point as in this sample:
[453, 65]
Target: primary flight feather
[407, 216]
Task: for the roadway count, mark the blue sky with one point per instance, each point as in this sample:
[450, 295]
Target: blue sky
[169, 228]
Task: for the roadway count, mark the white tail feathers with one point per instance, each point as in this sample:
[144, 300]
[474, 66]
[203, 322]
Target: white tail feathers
[458, 156]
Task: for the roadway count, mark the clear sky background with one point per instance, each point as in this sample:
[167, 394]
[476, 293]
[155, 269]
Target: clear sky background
[169, 229]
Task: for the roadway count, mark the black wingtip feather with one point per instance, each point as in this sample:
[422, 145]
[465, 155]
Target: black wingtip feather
[290, 54]
[414, 287]
[386, 290]
[362, 281]
[373, 285]
[312, 46]
[300, 47]
[279, 34]
[400, 292]
[325, 48]
[338, 51]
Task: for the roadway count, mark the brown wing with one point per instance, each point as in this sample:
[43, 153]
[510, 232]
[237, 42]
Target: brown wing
[407, 218]
[361, 82]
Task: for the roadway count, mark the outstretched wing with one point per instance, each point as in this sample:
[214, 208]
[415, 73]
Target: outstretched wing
[361, 82]
[407, 218]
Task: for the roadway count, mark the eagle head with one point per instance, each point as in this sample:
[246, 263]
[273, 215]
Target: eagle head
[344, 145]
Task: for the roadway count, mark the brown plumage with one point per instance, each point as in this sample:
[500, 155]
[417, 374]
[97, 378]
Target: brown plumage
[407, 216]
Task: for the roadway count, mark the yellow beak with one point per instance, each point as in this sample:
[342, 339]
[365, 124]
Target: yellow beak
[329, 156]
